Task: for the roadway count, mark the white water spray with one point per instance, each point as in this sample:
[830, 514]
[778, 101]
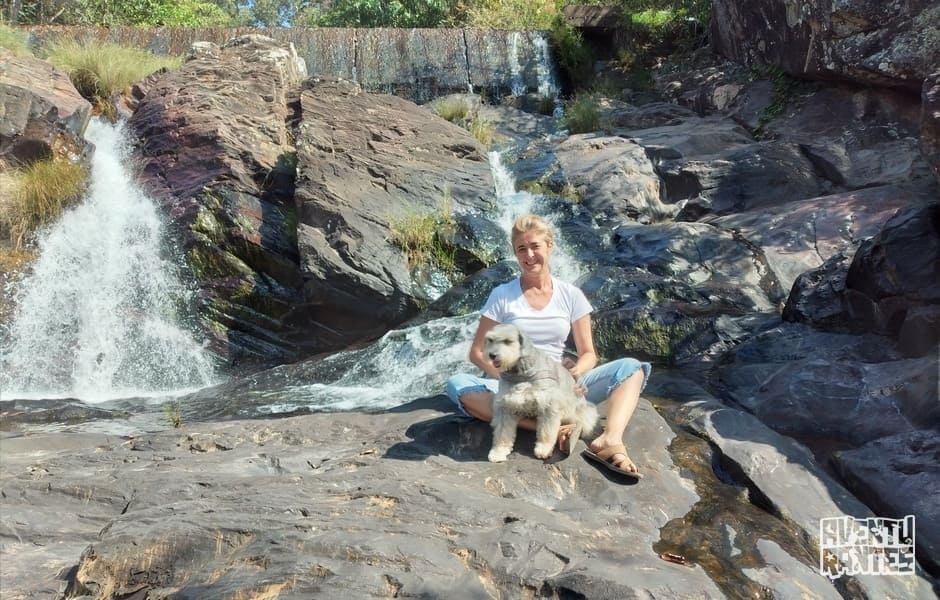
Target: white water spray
[98, 318]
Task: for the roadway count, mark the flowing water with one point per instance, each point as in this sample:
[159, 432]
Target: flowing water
[101, 314]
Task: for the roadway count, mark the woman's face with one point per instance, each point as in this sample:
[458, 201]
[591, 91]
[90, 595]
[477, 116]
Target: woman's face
[532, 251]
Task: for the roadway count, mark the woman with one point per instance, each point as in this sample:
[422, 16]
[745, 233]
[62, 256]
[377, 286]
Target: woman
[547, 310]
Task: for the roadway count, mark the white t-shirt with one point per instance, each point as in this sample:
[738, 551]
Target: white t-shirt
[547, 328]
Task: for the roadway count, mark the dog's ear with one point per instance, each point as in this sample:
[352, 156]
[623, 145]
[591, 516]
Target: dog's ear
[527, 352]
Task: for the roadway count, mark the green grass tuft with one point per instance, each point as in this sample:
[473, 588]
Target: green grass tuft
[582, 114]
[423, 238]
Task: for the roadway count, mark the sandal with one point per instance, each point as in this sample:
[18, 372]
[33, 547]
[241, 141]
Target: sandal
[606, 457]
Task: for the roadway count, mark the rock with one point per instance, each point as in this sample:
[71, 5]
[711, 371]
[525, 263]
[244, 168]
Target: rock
[768, 464]
[613, 177]
[930, 122]
[366, 163]
[858, 40]
[826, 387]
[398, 503]
[216, 150]
[742, 178]
[900, 475]
[797, 237]
[41, 112]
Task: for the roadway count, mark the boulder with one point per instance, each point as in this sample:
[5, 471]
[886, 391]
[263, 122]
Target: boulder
[899, 475]
[41, 112]
[865, 41]
[215, 149]
[366, 164]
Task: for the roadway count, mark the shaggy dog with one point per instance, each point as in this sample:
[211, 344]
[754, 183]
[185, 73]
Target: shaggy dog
[532, 385]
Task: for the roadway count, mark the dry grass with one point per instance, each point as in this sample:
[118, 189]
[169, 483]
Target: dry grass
[37, 195]
[14, 41]
[98, 69]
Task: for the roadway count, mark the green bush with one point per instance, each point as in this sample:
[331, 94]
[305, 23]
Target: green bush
[423, 238]
[38, 195]
[582, 114]
[98, 69]
[460, 112]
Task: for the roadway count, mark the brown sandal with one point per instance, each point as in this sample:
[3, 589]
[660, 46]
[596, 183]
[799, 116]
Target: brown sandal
[606, 457]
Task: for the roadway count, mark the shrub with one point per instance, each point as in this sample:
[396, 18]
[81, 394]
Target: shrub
[423, 237]
[40, 193]
[581, 114]
[13, 40]
[511, 14]
[460, 112]
[454, 110]
[98, 69]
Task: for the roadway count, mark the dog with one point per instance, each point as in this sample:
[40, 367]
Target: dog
[532, 385]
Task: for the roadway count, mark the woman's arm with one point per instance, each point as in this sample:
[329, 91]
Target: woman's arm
[476, 348]
[584, 342]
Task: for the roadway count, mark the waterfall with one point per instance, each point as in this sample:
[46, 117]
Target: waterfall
[99, 316]
[515, 69]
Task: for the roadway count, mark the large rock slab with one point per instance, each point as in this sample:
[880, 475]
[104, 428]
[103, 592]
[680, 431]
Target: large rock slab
[930, 122]
[782, 475]
[401, 503]
[799, 236]
[41, 112]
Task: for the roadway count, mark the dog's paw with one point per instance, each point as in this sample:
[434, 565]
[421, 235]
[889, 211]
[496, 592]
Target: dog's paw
[498, 454]
[544, 450]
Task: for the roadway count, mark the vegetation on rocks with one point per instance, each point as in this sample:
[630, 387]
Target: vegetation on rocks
[423, 237]
[460, 112]
[37, 195]
[99, 69]
[13, 40]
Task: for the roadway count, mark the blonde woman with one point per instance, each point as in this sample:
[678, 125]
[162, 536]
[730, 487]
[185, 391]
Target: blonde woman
[547, 309]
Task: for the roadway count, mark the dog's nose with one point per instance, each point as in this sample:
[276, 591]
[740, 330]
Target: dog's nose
[492, 355]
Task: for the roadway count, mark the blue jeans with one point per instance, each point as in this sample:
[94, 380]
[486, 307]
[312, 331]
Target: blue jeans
[599, 381]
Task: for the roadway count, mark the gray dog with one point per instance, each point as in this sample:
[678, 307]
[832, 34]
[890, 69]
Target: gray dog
[532, 385]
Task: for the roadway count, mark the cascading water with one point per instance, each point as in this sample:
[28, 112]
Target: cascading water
[98, 318]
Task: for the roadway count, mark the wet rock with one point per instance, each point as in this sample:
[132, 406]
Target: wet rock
[930, 122]
[769, 464]
[215, 150]
[42, 112]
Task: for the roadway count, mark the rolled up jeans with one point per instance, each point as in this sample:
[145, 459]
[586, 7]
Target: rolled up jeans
[599, 381]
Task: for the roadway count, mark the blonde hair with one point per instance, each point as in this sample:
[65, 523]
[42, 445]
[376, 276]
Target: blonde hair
[535, 223]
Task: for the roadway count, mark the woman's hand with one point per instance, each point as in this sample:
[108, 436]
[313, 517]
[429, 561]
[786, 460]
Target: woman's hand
[572, 367]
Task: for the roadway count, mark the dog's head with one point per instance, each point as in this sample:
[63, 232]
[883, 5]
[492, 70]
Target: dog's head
[505, 346]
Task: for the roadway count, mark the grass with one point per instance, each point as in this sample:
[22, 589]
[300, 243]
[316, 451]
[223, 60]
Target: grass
[98, 69]
[460, 112]
[14, 41]
[582, 114]
[173, 411]
[38, 195]
[423, 238]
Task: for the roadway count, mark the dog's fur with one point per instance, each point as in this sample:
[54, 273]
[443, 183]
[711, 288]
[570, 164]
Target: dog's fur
[531, 385]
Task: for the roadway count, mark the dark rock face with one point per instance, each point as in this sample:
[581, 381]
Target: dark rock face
[215, 150]
[41, 113]
[284, 274]
[906, 465]
[892, 277]
[930, 122]
[860, 40]
[366, 162]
